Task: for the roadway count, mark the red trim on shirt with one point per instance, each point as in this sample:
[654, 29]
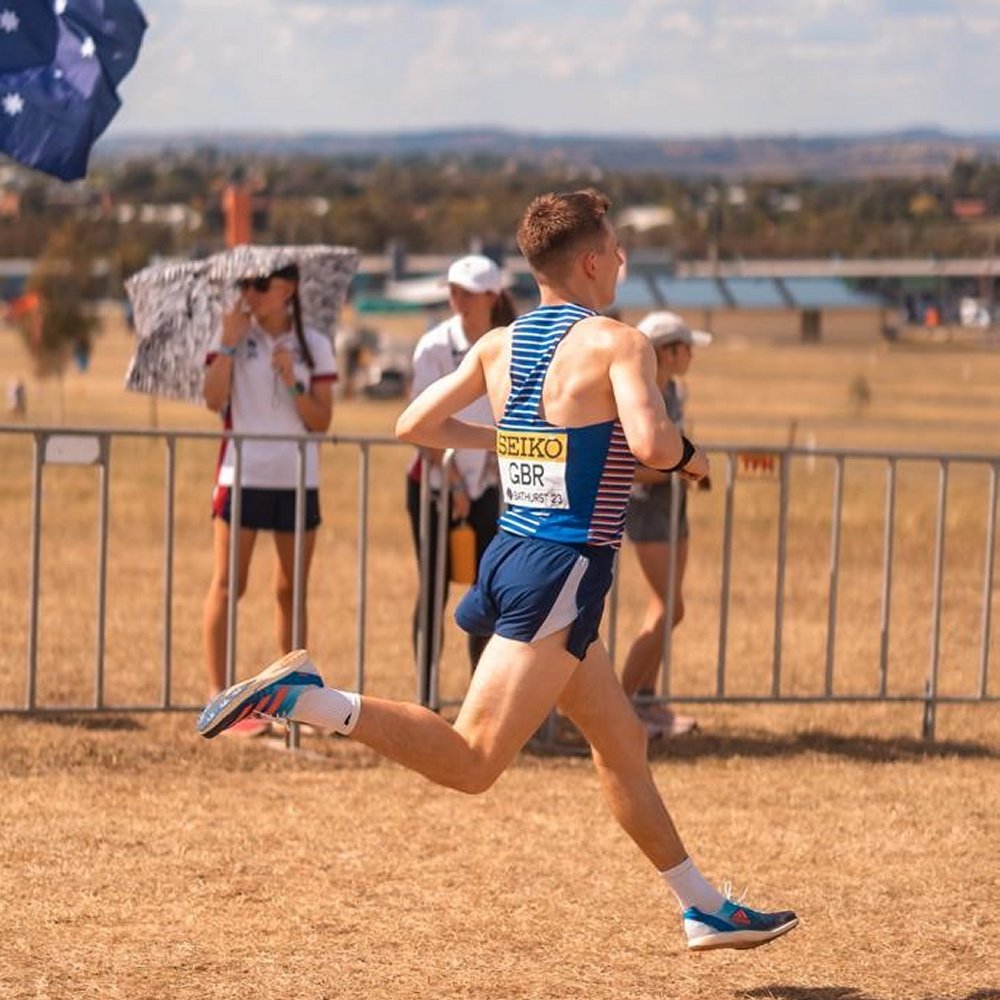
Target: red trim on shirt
[220, 499]
[331, 377]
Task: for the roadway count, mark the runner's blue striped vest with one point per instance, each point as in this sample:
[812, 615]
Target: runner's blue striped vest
[563, 484]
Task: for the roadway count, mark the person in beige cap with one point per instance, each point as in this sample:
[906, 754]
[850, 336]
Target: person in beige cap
[647, 525]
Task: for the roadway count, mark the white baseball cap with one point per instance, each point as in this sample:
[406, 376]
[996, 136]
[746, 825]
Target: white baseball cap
[668, 328]
[476, 274]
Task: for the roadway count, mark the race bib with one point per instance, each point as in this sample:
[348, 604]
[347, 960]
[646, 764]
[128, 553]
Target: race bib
[533, 469]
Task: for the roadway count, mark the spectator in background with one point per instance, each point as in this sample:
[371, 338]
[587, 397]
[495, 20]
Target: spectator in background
[647, 524]
[479, 303]
[266, 374]
[17, 398]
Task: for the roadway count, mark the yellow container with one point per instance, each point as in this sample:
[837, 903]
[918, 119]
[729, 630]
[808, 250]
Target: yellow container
[462, 553]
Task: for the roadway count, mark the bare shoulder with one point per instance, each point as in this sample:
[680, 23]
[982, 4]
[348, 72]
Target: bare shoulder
[494, 344]
[492, 350]
[611, 336]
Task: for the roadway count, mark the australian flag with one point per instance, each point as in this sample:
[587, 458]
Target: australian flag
[60, 65]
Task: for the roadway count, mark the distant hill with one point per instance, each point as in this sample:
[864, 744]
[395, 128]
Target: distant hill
[911, 152]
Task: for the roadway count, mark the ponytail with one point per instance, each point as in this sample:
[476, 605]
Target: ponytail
[300, 335]
[503, 312]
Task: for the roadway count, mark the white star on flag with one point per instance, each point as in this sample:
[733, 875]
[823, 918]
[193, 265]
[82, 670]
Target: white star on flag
[60, 6]
[9, 21]
[88, 49]
[13, 104]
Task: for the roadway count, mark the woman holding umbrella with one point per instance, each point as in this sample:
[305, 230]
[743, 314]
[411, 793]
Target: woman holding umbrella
[266, 374]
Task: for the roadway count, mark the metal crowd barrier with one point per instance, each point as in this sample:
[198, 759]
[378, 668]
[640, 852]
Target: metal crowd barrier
[92, 447]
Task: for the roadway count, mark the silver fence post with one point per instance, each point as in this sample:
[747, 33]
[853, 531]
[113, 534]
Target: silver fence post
[440, 569]
[887, 551]
[834, 574]
[364, 472]
[34, 581]
[779, 587]
[235, 524]
[984, 643]
[298, 563]
[613, 608]
[727, 559]
[930, 701]
[102, 570]
[170, 490]
[423, 597]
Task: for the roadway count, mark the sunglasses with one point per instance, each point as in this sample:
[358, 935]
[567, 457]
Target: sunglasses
[257, 284]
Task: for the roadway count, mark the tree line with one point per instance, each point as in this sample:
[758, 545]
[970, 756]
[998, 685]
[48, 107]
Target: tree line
[446, 204]
[442, 204]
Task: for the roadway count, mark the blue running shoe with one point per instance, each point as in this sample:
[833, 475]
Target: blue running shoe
[272, 693]
[734, 926]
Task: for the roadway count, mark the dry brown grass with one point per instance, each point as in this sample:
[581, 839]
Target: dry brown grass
[140, 862]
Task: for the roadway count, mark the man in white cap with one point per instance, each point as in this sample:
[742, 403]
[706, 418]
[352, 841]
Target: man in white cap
[647, 525]
[479, 303]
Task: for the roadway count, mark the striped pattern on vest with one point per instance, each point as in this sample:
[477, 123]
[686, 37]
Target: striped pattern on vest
[600, 466]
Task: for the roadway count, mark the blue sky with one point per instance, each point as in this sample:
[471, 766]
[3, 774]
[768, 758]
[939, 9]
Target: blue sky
[658, 67]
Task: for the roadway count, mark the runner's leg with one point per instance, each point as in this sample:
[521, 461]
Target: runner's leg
[515, 686]
[595, 702]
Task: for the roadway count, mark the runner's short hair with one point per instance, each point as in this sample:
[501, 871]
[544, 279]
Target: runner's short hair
[556, 225]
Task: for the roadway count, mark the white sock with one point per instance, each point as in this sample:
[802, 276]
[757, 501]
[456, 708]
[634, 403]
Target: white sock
[692, 888]
[328, 708]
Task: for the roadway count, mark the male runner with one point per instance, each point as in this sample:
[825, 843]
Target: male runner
[576, 403]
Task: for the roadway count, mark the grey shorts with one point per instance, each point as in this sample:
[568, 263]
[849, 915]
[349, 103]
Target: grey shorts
[647, 518]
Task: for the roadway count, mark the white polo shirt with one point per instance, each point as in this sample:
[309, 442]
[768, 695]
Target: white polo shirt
[260, 402]
[438, 353]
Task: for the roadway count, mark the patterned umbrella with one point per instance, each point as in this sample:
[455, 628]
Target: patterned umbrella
[178, 307]
[60, 64]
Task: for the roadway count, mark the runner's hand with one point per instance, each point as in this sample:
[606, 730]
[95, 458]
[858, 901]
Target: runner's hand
[697, 468]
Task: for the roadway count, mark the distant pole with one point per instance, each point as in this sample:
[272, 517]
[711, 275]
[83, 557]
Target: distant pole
[237, 208]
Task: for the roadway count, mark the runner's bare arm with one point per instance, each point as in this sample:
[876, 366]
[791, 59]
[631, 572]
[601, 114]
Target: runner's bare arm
[651, 436]
[428, 421]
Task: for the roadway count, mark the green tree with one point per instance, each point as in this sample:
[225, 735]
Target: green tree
[65, 323]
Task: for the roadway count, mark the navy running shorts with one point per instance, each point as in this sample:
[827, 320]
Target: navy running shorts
[266, 509]
[528, 588]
